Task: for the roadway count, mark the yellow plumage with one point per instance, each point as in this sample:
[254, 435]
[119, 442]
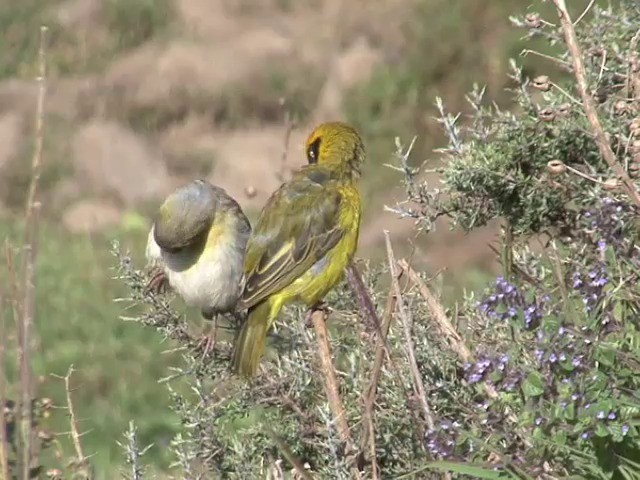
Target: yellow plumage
[304, 238]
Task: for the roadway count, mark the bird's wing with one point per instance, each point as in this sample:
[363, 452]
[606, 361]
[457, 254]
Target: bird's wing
[297, 227]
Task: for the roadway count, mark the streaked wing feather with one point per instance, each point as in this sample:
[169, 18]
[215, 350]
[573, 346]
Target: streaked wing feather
[286, 244]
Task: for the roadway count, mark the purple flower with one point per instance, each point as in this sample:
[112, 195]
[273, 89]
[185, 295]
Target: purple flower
[602, 245]
[585, 435]
[611, 416]
[625, 429]
[538, 421]
[553, 358]
[600, 415]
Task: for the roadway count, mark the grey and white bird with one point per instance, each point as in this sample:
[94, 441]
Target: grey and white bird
[197, 245]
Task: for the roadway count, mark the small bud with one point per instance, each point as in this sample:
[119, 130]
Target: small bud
[564, 110]
[250, 191]
[547, 114]
[54, 473]
[532, 20]
[556, 167]
[611, 184]
[542, 82]
[46, 403]
[46, 438]
[595, 51]
[620, 107]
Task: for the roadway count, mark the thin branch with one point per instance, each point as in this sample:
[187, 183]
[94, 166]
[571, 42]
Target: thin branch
[437, 312]
[588, 103]
[420, 391]
[73, 421]
[36, 161]
[289, 455]
[368, 435]
[331, 386]
[363, 299]
[4, 442]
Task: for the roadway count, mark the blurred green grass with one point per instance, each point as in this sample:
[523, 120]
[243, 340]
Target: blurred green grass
[118, 363]
[77, 322]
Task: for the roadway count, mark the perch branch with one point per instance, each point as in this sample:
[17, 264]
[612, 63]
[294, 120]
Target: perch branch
[73, 420]
[331, 386]
[588, 103]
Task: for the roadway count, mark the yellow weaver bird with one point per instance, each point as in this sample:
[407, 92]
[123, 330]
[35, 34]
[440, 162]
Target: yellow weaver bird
[304, 238]
[197, 244]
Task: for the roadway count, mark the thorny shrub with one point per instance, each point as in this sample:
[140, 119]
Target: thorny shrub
[552, 388]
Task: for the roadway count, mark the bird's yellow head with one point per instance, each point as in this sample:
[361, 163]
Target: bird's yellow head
[337, 145]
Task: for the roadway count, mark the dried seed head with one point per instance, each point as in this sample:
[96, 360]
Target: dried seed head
[620, 107]
[556, 167]
[595, 51]
[634, 127]
[611, 184]
[542, 82]
[547, 114]
[46, 403]
[45, 436]
[563, 110]
[54, 473]
[532, 20]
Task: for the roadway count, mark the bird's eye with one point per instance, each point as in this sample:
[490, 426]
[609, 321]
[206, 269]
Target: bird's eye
[313, 151]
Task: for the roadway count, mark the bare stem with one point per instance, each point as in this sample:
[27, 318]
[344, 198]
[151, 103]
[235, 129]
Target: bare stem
[368, 430]
[588, 103]
[438, 315]
[73, 421]
[420, 391]
[4, 443]
[331, 386]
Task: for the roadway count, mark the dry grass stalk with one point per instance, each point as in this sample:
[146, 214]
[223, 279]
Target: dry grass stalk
[331, 386]
[420, 391]
[589, 104]
[4, 441]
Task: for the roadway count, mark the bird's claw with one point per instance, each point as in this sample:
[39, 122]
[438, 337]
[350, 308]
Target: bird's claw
[158, 282]
[321, 307]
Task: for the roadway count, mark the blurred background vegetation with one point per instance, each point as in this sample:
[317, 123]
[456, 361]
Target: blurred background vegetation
[143, 94]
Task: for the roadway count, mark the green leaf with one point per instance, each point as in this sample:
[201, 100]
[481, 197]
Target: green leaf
[461, 468]
[533, 385]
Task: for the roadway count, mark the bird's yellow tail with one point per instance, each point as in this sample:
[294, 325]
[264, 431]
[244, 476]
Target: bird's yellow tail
[249, 344]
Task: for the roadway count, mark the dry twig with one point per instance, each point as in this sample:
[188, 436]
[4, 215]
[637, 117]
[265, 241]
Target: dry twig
[331, 386]
[368, 430]
[4, 441]
[82, 460]
[420, 391]
[588, 103]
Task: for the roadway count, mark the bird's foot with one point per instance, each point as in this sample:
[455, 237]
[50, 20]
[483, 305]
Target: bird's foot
[158, 282]
[318, 307]
[207, 343]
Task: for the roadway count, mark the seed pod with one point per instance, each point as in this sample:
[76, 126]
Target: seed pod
[595, 51]
[611, 184]
[46, 438]
[556, 167]
[542, 82]
[620, 107]
[634, 169]
[532, 20]
[564, 110]
[547, 114]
